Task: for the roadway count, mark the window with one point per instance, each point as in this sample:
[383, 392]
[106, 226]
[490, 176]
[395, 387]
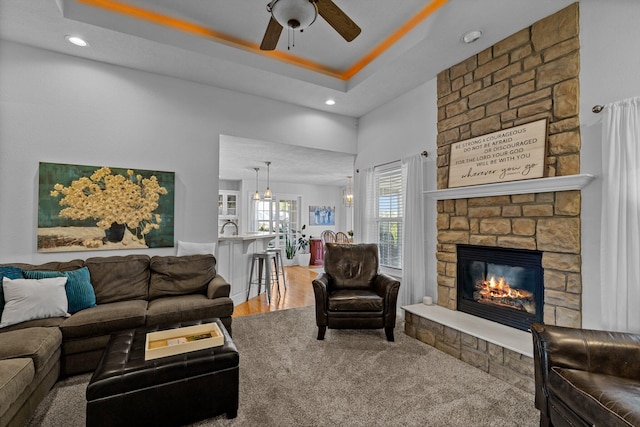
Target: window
[264, 218]
[287, 219]
[389, 211]
[279, 216]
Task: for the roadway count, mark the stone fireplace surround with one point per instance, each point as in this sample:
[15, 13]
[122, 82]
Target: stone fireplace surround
[500, 350]
[530, 75]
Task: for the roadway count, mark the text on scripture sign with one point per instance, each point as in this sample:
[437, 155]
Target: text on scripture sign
[508, 155]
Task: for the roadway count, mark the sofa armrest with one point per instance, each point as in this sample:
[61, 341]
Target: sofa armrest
[609, 353]
[387, 287]
[321, 292]
[218, 287]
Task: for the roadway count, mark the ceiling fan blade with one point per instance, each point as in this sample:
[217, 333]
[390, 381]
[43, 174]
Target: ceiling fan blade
[338, 19]
[271, 36]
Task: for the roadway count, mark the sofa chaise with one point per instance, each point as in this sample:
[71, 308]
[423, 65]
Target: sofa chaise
[130, 292]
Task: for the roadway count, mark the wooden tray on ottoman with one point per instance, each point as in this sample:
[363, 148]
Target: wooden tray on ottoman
[181, 340]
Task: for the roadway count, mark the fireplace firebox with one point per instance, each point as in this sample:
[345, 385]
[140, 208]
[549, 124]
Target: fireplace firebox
[500, 284]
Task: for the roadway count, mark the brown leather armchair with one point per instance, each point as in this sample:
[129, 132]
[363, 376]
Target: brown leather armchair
[586, 377]
[351, 294]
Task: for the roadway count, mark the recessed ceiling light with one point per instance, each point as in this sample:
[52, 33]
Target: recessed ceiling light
[77, 41]
[330, 102]
[471, 36]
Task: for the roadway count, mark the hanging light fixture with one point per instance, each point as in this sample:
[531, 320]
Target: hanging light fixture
[256, 196]
[293, 14]
[267, 193]
[347, 194]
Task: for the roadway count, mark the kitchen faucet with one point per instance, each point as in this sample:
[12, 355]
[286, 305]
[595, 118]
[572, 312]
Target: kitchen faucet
[235, 233]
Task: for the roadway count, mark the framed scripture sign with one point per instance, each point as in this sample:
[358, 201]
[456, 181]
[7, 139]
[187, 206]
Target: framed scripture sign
[511, 154]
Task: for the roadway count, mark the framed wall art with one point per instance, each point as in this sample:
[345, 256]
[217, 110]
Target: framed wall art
[84, 208]
[322, 215]
[511, 154]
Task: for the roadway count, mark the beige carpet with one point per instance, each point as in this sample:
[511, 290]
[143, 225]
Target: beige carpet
[353, 378]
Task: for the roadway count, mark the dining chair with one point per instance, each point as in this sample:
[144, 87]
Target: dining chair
[342, 237]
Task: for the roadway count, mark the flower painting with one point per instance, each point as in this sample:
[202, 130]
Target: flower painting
[91, 208]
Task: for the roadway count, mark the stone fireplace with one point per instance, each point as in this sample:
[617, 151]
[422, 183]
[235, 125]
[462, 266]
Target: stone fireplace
[528, 76]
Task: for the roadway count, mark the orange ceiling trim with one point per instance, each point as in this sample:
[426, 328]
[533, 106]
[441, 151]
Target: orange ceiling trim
[393, 38]
[188, 27]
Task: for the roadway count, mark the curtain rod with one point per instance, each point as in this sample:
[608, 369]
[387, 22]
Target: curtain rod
[597, 108]
[425, 153]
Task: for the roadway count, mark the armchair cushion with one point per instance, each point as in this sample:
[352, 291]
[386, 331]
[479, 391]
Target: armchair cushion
[355, 300]
[351, 266]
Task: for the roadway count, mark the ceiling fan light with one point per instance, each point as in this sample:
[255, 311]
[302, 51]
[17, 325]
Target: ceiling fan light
[294, 14]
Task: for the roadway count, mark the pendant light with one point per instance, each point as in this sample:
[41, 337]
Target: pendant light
[347, 194]
[267, 193]
[256, 196]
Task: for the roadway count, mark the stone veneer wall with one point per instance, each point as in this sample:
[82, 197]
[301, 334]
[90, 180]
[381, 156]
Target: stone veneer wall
[530, 75]
[510, 366]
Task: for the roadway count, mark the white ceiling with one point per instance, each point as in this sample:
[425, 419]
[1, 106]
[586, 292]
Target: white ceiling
[431, 45]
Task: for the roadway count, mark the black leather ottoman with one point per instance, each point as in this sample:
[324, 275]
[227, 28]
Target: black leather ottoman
[126, 390]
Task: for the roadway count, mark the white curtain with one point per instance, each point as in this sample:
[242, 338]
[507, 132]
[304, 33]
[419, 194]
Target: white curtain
[364, 207]
[413, 286]
[620, 231]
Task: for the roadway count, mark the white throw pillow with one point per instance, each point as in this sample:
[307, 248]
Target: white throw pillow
[28, 299]
[191, 248]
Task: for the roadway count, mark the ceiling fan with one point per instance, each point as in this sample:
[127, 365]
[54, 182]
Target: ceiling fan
[300, 14]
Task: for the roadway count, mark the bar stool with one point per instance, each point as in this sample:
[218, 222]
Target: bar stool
[263, 259]
[279, 267]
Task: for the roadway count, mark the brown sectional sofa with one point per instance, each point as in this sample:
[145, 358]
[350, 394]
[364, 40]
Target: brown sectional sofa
[131, 291]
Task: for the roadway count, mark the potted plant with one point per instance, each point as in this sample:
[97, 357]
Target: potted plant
[302, 249]
[289, 250]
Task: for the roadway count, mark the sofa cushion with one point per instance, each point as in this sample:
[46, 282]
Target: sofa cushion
[119, 278]
[37, 344]
[49, 322]
[15, 376]
[80, 294]
[186, 308]
[27, 299]
[171, 275]
[52, 266]
[104, 319]
[605, 399]
[12, 273]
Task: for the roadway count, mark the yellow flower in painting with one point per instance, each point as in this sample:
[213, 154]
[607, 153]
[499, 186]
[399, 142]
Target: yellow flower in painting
[109, 199]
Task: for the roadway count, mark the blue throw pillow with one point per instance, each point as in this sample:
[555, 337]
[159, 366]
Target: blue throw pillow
[11, 273]
[80, 293]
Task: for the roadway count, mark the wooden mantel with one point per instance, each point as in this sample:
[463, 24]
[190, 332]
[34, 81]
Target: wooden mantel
[540, 185]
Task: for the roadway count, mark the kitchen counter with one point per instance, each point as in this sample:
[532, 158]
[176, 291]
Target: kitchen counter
[247, 236]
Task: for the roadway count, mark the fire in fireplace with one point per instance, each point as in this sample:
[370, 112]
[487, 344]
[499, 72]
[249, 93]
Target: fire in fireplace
[500, 284]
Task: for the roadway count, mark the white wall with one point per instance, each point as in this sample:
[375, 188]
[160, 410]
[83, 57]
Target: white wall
[405, 127]
[609, 69]
[62, 109]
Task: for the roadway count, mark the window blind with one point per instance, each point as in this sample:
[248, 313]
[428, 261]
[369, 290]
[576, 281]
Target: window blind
[389, 215]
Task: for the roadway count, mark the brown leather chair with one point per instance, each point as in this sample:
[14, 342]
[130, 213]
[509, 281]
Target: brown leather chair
[586, 377]
[351, 294]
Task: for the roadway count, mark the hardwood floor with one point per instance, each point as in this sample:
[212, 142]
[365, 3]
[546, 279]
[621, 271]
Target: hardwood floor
[299, 293]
